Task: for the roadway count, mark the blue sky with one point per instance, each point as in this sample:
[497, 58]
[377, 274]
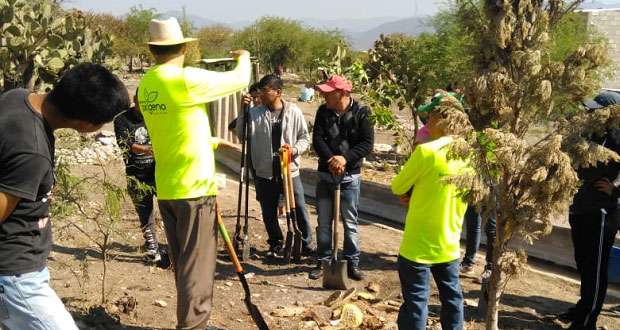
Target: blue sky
[244, 10]
[248, 10]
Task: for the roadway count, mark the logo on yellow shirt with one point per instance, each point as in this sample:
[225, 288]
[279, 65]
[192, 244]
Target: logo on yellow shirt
[150, 105]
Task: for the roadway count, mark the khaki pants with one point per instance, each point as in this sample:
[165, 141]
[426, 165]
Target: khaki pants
[191, 230]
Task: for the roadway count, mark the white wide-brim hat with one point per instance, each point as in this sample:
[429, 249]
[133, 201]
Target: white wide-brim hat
[166, 33]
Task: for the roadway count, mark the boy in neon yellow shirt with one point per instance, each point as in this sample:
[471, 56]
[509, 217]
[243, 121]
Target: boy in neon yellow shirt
[172, 99]
[432, 228]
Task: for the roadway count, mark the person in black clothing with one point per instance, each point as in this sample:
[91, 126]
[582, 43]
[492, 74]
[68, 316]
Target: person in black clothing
[342, 136]
[84, 99]
[594, 221]
[133, 139]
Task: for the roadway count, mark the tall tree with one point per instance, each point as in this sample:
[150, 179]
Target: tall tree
[138, 19]
[192, 54]
[122, 47]
[278, 41]
[514, 85]
[214, 40]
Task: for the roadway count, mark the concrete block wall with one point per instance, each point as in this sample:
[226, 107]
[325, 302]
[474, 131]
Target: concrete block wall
[607, 22]
[378, 200]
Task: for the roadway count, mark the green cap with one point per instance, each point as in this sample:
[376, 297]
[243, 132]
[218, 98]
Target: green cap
[436, 100]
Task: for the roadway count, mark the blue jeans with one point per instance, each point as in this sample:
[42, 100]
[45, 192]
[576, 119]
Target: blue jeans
[269, 198]
[415, 282]
[28, 302]
[473, 221]
[349, 201]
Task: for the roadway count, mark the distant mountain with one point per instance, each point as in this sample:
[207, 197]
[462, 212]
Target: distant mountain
[239, 25]
[410, 26]
[196, 20]
[348, 24]
[358, 30]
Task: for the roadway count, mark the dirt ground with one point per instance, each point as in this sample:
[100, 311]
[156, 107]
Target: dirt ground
[283, 293]
[142, 296]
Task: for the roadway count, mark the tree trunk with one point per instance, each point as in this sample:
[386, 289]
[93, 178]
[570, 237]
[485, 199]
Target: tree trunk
[494, 292]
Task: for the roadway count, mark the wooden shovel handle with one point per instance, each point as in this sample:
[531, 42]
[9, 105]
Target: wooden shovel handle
[229, 246]
[284, 159]
[336, 220]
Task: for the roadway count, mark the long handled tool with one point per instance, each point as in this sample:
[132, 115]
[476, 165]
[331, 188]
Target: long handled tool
[288, 246]
[335, 271]
[291, 198]
[254, 312]
[242, 244]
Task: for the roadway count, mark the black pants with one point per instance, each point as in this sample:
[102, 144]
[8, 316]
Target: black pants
[143, 201]
[269, 197]
[593, 236]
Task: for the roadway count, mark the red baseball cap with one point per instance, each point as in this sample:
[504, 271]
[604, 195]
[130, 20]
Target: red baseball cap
[335, 82]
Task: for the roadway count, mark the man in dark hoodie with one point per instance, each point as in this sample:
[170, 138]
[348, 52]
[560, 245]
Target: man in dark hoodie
[342, 136]
[594, 221]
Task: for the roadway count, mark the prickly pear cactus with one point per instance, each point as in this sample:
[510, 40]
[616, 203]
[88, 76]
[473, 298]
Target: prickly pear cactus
[39, 41]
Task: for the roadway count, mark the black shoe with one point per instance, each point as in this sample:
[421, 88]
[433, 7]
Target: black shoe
[354, 272]
[568, 316]
[316, 273]
[309, 250]
[574, 326]
[275, 251]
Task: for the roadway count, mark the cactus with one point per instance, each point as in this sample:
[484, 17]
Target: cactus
[40, 41]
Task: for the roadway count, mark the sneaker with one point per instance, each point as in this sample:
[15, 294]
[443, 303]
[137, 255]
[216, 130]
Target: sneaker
[275, 251]
[152, 256]
[309, 250]
[316, 273]
[568, 316]
[486, 274]
[150, 244]
[354, 272]
[467, 270]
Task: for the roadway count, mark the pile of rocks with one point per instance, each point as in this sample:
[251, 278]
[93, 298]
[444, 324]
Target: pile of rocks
[349, 309]
[96, 148]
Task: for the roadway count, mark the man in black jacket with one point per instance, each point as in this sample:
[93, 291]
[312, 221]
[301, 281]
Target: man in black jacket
[342, 136]
[594, 221]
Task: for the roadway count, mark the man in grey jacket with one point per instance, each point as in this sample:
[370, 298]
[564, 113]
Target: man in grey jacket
[273, 124]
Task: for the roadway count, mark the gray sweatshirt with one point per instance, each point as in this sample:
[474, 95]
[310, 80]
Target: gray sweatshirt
[294, 133]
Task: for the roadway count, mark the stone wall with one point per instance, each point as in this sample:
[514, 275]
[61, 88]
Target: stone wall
[607, 22]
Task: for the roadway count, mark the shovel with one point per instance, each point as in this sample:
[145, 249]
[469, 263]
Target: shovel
[254, 312]
[335, 271]
[288, 246]
[291, 199]
[243, 243]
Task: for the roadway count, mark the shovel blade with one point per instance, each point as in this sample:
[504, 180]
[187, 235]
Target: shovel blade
[237, 245]
[335, 274]
[297, 248]
[288, 247]
[245, 249]
[256, 315]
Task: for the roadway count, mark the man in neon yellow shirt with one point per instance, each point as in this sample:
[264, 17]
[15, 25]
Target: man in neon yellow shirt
[172, 99]
[432, 228]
